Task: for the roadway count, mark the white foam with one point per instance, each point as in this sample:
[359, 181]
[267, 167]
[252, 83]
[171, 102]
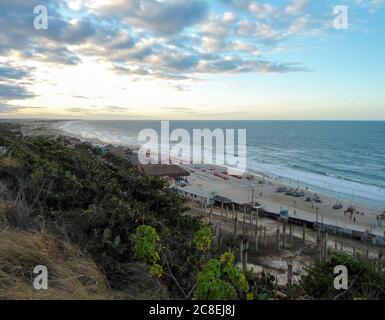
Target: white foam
[86, 131]
[348, 189]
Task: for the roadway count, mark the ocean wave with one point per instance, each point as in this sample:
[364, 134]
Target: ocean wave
[84, 130]
[331, 184]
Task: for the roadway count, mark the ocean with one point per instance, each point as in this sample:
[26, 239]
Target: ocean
[343, 159]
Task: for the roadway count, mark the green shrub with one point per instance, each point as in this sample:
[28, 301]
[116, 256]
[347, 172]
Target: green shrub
[221, 280]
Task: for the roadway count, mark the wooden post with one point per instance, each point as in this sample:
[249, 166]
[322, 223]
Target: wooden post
[216, 230]
[264, 236]
[291, 233]
[220, 236]
[304, 232]
[318, 237]
[241, 251]
[236, 225]
[326, 245]
[278, 239]
[227, 213]
[289, 273]
[233, 211]
[211, 212]
[244, 221]
[256, 240]
[246, 249]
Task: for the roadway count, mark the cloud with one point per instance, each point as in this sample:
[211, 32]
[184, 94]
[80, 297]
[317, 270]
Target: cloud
[14, 92]
[12, 82]
[170, 39]
[94, 110]
[181, 109]
[8, 71]
[8, 108]
[236, 65]
[296, 7]
[164, 40]
[161, 17]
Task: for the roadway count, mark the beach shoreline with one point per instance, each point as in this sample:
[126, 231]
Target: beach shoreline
[203, 181]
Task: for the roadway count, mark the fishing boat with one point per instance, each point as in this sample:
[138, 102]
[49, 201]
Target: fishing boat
[338, 206]
[282, 189]
[295, 193]
[253, 205]
[284, 214]
[220, 175]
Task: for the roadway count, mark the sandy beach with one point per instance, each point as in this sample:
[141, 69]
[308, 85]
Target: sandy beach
[203, 182]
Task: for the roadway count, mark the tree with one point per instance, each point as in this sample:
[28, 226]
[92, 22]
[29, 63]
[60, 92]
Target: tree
[203, 239]
[146, 244]
[221, 280]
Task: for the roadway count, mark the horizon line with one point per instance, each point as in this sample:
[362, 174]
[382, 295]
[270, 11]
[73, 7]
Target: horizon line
[147, 119]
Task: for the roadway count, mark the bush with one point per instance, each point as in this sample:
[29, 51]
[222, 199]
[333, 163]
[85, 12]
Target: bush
[146, 244]
[203, 239]
[221, 280]
[98, 204]
[365, 279]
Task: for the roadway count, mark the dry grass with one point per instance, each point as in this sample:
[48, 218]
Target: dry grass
[9, 162]
[70, 276]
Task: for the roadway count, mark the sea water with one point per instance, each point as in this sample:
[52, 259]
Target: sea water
[344, 159]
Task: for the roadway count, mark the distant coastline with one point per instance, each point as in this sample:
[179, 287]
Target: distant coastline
[51, 127]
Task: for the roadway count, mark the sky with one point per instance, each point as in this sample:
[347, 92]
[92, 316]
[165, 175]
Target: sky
[193, 59]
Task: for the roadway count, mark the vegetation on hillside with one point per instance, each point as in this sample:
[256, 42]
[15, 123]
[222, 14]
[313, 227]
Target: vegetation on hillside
[105, 232]
[366, 279]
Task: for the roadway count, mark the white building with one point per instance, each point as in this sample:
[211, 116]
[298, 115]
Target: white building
[3, 151]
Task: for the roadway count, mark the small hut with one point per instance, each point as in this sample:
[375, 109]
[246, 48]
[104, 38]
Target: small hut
[165, 170]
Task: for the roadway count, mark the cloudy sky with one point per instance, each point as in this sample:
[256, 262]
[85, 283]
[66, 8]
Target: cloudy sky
[192, 59]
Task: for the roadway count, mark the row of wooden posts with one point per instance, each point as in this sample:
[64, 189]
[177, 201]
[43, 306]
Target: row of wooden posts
[260, 234]
[259, 229]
